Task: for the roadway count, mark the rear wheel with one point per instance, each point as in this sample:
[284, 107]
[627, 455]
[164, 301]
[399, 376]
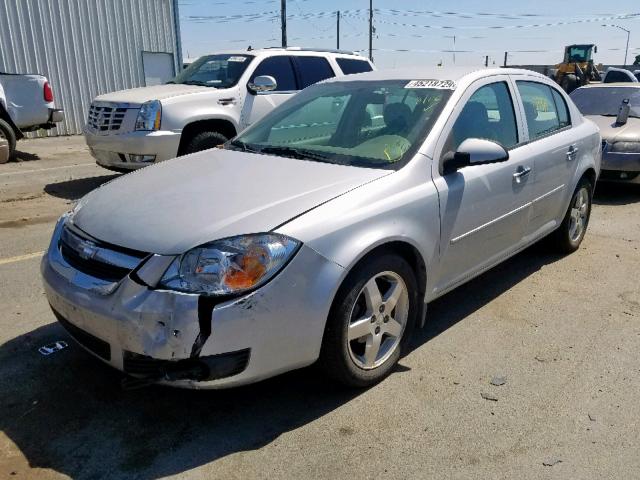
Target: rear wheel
[569, 235]
[371, 321]
[204, 141]
[9, 135]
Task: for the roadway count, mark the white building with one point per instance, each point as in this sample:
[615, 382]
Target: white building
[90, 47]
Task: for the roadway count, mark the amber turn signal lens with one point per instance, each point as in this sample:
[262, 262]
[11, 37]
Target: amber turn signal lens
[251, 270]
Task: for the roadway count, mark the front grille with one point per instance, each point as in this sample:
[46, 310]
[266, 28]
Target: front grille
[88, 341]
[97, 259]
[200, 368]
[103, 118]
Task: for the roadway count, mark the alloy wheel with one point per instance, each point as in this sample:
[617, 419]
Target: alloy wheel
[378, 320]
[579, 214]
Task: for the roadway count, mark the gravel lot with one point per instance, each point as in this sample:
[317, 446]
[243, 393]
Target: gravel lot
[564, 332]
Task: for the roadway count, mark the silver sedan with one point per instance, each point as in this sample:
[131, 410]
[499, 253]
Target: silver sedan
[322, 232]
[615, 108]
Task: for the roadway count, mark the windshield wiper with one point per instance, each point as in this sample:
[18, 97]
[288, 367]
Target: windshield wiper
[196, 82]
[295, 153]
[244, 146]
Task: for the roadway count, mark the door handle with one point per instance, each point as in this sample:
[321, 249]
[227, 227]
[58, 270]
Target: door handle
[521, 173]
[571, 153]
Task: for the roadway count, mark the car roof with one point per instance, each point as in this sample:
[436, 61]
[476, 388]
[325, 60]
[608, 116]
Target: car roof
[289, 50]
[455, 74]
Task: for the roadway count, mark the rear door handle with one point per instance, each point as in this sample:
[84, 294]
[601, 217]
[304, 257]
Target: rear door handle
[521, 173]
[571, 153]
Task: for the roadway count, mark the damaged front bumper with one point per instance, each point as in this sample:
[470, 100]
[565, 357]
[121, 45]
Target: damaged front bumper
[188, 340]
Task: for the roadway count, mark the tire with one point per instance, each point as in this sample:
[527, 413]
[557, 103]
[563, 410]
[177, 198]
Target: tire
[568, 237]
[569, 83]
[357, 362]
[7, 132]
[204, 141]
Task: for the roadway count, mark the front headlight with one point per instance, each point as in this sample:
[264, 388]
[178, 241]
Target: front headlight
[625, 147]
[149, 116]
[231, 265]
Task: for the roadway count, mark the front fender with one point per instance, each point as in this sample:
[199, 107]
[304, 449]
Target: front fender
[400, 207]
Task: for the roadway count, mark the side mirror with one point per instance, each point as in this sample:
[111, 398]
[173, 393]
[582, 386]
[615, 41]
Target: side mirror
[474, 151]
[262, 83]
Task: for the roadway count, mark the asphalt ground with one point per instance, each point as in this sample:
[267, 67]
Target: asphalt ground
[562, 333]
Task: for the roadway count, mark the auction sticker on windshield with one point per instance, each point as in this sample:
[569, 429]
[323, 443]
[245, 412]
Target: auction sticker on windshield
[237, 59]
[443, 84]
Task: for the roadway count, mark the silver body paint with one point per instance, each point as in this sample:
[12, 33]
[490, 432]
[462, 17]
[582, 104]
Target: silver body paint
[460, 225]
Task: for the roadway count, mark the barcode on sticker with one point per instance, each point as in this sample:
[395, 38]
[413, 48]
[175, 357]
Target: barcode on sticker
[444, 84]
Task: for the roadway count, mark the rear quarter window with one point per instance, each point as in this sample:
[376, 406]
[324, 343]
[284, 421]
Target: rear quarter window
[313, 70]
[350, 65]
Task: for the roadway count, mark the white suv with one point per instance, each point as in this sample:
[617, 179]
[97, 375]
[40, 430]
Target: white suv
[208, 103]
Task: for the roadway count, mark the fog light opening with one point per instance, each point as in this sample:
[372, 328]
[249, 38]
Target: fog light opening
[135, 158]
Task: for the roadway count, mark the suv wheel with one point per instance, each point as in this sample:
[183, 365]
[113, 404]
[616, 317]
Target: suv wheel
[204, 141]
[371, 321]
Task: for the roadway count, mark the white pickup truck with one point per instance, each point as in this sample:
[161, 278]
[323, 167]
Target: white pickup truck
[207, 104]
[26, 104]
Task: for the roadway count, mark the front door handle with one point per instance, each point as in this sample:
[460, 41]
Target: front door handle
[571, 153]
[521, 173]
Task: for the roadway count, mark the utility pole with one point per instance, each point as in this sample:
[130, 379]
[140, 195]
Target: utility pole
[338, 30]
[505, 58]
[283, 22]
[486, 60]
[371, 30]
[454, 46]
[626, 50]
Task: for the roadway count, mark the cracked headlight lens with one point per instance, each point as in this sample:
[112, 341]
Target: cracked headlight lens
[231, 265]
[149, 116]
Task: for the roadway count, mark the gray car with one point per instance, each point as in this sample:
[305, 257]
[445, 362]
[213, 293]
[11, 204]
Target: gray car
[615, 108]
[322, 232]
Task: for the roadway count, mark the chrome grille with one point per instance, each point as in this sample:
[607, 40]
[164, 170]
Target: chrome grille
[96, 259]
[104, 118]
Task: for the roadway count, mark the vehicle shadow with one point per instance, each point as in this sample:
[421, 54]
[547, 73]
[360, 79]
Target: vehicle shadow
[77, 188]
[455, 306]
[67, 412]
[616, 194]
[19, 156]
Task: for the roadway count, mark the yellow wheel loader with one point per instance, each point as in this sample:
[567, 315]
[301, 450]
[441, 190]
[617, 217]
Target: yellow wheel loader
[577, 68]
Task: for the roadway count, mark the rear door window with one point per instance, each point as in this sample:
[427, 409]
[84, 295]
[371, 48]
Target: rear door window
[313, 70]
[561, 107]
[280, 68]
[350, 65]
[540, 109]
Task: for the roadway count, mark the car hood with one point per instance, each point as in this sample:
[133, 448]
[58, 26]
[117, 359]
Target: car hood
[156, 92]
[176, 205]
[611, 132]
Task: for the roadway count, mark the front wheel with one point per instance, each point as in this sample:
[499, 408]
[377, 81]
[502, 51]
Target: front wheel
[569, 235]
[204, 141]
[371, 321]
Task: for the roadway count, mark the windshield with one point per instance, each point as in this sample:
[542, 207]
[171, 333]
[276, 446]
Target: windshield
[371, 124]
[606, 100]
[578, 53]
[218, 71]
